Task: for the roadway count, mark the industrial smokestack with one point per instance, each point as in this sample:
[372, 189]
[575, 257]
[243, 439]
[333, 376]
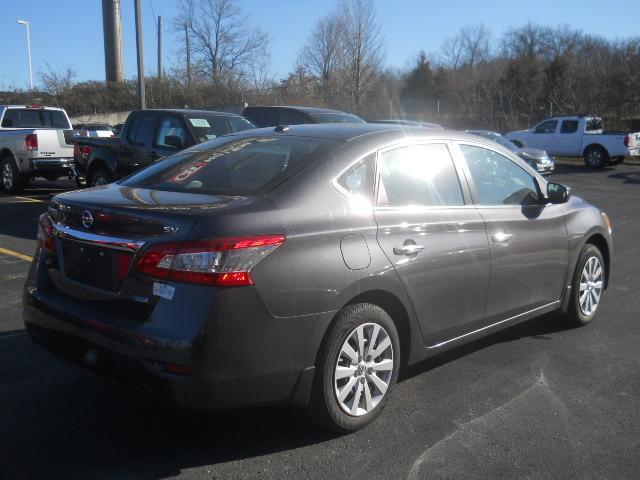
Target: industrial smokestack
[112, 41]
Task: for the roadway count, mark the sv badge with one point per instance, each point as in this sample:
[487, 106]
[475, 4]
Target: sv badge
[170, 229]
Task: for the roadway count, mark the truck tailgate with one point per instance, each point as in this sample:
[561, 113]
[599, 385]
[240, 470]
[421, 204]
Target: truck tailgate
[51, 144]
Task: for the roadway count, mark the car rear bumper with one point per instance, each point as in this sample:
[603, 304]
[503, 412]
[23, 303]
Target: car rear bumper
[62, 165]
[240, 356]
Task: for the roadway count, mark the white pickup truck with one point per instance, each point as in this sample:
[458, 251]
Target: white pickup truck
[579, 136]
[35, 141]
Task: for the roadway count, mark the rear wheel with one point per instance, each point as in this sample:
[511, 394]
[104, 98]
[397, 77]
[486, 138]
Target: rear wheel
[357, 369]
[587, 287]
[11, 180]
[100, 176]
[595, 157]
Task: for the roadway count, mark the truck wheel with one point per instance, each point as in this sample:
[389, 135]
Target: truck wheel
[11, 180]
[595, 157]
[100, 176]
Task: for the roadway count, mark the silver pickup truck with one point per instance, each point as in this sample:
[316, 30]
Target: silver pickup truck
[35, 141]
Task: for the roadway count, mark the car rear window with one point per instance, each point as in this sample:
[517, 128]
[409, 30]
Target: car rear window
[233, 165]
[34, 118]
[336, 118]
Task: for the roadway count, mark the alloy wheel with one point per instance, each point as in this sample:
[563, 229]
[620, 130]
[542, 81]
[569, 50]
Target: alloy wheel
[594, 157]
[363, 369]
[590, 286]
[7, 176]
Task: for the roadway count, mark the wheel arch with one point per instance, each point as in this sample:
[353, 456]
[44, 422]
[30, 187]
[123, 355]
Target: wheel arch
[598, 240]
[595, 145]
[5, 152]
[394, 307]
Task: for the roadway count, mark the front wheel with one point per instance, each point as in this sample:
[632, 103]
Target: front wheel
[356, 370]
[587, 287]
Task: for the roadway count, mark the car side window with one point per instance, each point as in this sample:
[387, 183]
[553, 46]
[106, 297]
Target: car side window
[170, 125]
[10, 119]
[547, 127]
[358, 180]
[499, 180]
[569, 126]
[421, 175]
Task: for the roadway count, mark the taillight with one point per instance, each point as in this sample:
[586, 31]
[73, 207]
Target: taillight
[82, 151]
[627, 139]
[31, 141]
[220, 262]
[45, 233]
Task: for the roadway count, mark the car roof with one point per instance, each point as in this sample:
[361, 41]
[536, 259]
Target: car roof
[483, 132]
[31, 107]
[347, 132]
[187, 111]
[301, 109]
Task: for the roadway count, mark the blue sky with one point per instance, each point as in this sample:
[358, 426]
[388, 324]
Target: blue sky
[69, 32]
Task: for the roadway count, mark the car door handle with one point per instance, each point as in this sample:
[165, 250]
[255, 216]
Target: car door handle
[503, 238]
[409, 249]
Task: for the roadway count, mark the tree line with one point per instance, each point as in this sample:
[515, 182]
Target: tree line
[475, 80]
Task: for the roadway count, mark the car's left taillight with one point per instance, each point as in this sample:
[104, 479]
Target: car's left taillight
[223, 262]
[45, 233]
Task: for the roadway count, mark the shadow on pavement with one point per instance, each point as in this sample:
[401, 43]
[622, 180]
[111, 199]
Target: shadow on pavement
[70, 425]
[627, 177]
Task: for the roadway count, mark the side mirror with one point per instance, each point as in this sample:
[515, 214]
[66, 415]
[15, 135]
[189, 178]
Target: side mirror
[557, 193]
[174, 141]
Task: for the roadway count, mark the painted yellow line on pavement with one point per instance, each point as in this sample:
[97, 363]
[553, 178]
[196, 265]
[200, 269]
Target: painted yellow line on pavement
[29, 199]
[11, 253]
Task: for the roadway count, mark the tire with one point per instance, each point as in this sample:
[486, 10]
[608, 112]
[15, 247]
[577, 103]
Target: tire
[595, 157]
[100, 176]
[580, 312]
[344, 415]
[11, 180]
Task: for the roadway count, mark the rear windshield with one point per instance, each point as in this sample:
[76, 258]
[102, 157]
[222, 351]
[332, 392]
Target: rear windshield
[335, 118]
[593, 124]
[34, 118]
[208, 127]
[232, 165]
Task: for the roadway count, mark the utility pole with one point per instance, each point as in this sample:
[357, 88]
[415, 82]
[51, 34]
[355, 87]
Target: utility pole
[186, 36]
[26, 24]
[141, 97]
[112, 41]
[159, 47]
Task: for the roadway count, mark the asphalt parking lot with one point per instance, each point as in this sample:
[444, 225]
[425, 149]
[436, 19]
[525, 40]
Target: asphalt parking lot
[534, 401]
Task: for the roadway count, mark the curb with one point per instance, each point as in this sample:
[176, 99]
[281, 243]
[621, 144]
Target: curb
[635, 161]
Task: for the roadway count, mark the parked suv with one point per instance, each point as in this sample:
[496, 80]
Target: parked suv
[273, 116]
[149, 136]
[35, 141]
[308, 265]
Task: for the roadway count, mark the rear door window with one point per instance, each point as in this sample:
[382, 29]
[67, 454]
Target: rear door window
[569, 126]
[142, 129]
[422, 175]
[233, 165]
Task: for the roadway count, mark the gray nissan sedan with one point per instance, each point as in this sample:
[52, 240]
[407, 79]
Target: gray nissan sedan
[308, 265]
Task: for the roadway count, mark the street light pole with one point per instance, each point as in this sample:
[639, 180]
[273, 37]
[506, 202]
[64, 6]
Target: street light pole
[25, 22]
[141, 95]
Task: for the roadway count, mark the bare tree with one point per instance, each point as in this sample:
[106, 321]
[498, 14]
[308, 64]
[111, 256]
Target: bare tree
[322, 55]
[363, 47]
[469, 47]
[56, 83]
[224, 45]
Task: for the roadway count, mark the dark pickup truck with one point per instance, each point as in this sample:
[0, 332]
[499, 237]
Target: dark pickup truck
[147, 136]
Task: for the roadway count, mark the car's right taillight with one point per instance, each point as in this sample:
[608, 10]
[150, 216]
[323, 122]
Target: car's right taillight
[31, 141]
[45, 233]
[219, 262]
